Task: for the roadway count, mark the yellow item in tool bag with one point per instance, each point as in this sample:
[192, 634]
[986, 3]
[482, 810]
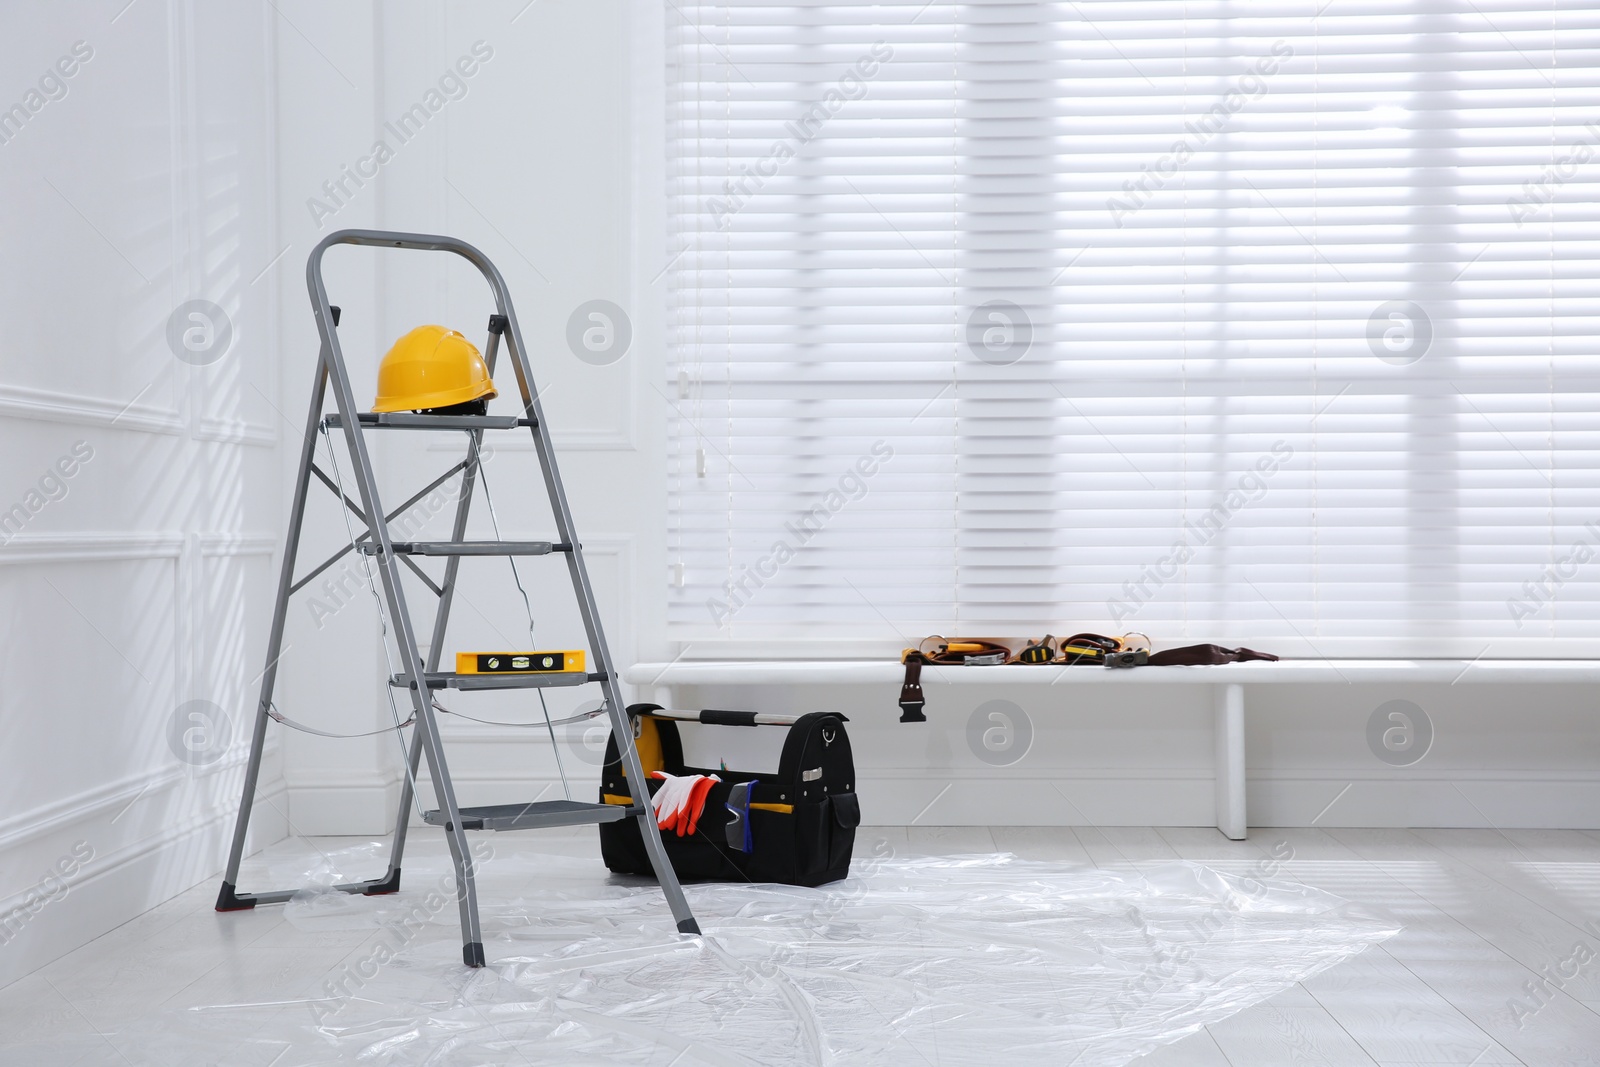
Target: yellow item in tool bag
[432, 367]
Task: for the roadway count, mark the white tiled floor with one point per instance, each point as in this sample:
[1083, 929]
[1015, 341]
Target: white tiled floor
[1484, 913]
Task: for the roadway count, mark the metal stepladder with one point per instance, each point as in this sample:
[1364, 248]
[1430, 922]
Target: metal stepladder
[415, 676]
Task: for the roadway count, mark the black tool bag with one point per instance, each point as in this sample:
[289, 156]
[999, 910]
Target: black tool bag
[801, 822]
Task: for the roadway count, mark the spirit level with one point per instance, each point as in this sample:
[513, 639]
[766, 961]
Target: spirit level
[518, 662]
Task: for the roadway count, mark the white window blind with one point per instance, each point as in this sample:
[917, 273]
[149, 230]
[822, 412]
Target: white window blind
[1264, 323]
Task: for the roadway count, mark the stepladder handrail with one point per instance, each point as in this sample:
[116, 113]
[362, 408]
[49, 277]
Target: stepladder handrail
[425, 242]
[512, 332]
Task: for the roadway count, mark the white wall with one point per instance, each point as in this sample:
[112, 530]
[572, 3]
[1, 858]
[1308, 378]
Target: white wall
[178, 165]
[141, 181]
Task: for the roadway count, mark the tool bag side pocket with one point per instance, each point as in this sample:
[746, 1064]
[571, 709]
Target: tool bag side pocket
[818, 763]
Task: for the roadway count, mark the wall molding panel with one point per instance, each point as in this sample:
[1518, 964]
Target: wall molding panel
[173, 522]
[235, 432]
[47, 405]
[75, 548]
[71, 548]
[237, 544]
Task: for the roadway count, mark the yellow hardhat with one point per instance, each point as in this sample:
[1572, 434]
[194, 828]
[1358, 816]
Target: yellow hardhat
[432, 367]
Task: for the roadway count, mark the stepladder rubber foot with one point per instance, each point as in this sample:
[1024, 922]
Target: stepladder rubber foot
[228, 900]
[689, 926]
[390, 884]
[472, 954]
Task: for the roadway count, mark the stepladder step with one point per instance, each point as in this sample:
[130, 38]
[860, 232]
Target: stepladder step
[404, 420]
[532, 816]
[532, 680]
[467, 548]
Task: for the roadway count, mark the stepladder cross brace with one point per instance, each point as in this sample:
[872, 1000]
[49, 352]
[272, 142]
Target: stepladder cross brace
[416, 676]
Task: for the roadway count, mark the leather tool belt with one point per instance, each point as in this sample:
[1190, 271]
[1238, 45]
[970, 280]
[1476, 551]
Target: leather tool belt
[1129, 650]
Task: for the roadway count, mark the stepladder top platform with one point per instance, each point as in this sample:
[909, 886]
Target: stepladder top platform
[408, 420]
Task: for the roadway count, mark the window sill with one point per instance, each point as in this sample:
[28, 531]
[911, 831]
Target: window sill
[1283, 672]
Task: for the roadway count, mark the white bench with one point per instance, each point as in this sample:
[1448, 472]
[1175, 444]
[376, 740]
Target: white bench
[1228, 682]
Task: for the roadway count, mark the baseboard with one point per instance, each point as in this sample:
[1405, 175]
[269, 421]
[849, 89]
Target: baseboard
[117, 885]
[1545, 802]
[337, 804]
[934, 800]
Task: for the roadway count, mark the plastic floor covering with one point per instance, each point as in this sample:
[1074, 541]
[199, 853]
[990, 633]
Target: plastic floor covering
[933, 962]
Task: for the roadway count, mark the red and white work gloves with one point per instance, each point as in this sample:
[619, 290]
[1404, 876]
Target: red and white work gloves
[681, 800]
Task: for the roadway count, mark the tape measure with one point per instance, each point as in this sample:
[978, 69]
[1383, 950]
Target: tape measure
[518, 662]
